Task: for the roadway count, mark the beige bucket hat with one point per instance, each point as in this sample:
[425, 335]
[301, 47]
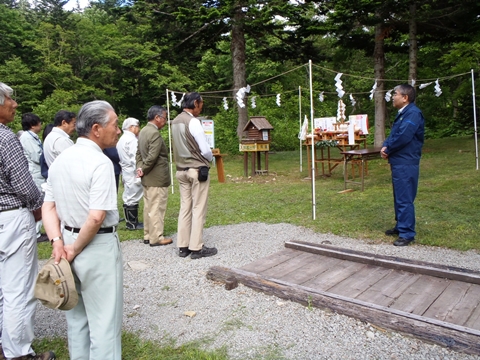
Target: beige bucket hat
[55, 286]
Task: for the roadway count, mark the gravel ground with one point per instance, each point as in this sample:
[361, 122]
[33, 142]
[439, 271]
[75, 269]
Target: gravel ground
[160, 287]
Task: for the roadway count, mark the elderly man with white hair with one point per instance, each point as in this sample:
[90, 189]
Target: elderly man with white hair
[20, 208]
[133, 190]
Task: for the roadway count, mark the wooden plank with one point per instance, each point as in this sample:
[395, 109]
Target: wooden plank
[420, 267]
[310, 270]
[473, 295]
[360, 281]
[272, 260]
[447, 303]
[291, 265]
[418, 297]
[334, 275]
[449, 335]
[388, 289]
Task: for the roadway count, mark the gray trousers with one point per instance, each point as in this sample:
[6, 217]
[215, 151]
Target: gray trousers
[95, 324]
[18, 272]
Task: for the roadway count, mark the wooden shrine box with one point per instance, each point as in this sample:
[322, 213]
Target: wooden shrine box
[258, 130]
[256, 141]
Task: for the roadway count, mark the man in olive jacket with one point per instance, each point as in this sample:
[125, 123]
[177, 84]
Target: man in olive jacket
[152, 167]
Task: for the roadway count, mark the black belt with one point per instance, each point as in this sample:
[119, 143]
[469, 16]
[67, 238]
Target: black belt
[106, 230]
[11, 209]
[182, 169]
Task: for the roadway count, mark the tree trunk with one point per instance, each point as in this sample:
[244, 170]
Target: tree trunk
[237, 48]
[413, 49]
[379, 69]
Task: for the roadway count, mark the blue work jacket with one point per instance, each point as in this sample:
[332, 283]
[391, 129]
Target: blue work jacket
[404, 145]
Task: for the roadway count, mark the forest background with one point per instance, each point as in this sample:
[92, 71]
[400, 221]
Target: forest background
[129, 53]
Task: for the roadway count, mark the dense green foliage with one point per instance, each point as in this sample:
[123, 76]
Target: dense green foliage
[130, 53]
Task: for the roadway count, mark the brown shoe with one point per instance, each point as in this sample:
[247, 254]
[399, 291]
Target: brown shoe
[49, 355]
[165, 241]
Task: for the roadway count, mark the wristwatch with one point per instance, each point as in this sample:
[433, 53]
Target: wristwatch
[55, 239]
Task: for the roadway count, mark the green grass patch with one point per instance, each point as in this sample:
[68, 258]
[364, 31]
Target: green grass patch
[447, 204]
[134, 348]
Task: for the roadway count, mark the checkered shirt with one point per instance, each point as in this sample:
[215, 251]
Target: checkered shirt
[17, 187]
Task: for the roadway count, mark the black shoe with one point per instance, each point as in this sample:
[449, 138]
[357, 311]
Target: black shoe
[183, 252]
[146, 242]
[138, 226]
[121, 219]
[392, 232]
[42, 238]
[403, 242]
[49, 355]
[205, 252]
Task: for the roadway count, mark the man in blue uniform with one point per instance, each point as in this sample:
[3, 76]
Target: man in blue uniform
[403, 149]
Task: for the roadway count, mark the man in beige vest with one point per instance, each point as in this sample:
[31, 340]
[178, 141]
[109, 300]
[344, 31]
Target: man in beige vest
[192, 158]
[152, 167]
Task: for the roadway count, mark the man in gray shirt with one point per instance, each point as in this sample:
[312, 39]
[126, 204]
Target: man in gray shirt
[33, 149]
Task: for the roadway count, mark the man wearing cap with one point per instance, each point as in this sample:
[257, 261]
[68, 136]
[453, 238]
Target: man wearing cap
[132, 185]
[80, 216]
[152, 167]
[20, 203]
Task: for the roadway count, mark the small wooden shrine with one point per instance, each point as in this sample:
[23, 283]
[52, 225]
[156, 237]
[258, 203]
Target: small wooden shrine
[257, 140]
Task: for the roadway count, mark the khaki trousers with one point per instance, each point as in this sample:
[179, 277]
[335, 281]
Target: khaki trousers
[193, 209]
[155, 205]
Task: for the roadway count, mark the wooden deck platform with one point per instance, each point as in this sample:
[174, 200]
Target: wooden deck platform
[435, 303]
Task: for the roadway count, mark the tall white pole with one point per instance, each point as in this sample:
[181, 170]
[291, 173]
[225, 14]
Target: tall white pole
[475, 119]
[313, 142]
[300, 122]
[170, 141]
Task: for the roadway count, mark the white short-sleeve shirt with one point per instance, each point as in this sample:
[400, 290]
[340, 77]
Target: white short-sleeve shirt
[56, 142]
[82, 179]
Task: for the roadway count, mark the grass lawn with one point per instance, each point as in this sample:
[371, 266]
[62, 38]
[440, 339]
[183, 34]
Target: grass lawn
[447, 208]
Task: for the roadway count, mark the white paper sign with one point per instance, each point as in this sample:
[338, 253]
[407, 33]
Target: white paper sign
[351, 133]
[361, 121]
[208, 129]
[325, 123]
[265, 135]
